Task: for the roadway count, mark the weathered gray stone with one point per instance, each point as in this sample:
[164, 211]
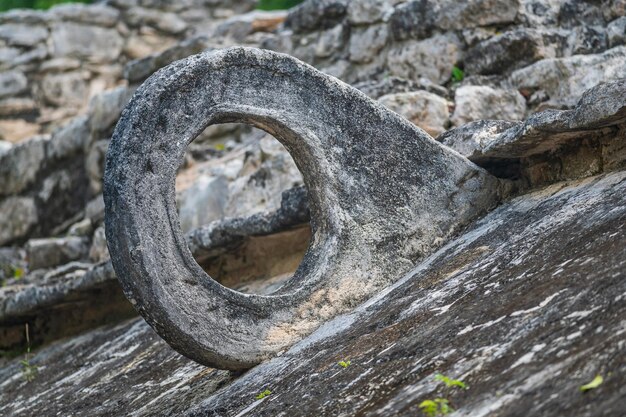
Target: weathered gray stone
[81, 228]
[514, 49]
[473, 102]
[616, 32]
[588, 40]
[97, 14]
[48, 252]
[365, 44]
[366, 233]
[4, 147]
[458, 15]
[141, 69]
[98, 252]
[105, 108]
[600, 114]
[32, 17]
[565, 79]
[412, 20]
[12, 83]
[31, 56]
[165, 22]
[470, 138]
[391, 85]
[221, 234]
[330, 41]
[369, 11]
[21, 164]
[23, 34]
[88, 42]
[485, 294]
[418, 18]
[65, 89]
[8, 54]
[94, 165]
[431, 58]
[316, 14]
[426, 110]
[17, 216]
[203, 202]
[15, 106]
[69, 139]
[241, 26]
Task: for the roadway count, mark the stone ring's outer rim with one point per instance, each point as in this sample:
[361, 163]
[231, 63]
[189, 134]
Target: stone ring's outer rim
[382, 193]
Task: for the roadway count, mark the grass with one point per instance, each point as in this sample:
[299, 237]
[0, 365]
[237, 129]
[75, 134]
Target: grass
[277, 4]
[34, 4]
[29, 371]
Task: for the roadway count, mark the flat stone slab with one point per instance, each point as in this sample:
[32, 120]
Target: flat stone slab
[599, 113]
[548, 267]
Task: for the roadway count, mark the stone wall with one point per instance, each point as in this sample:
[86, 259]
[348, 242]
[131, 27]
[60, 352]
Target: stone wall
[52, 62]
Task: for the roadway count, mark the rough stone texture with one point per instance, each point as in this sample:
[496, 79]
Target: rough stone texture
[564, 80]
[94, 42]
[482, 102]
[43, 253]
[240, 252]
[19, 215]
[248, 180]
[512, 50]
[59, 178]
[317, 14]
[426, 110]
[604, 106]
[432, 58]
[522, 273]
[360, 242]
[11, 83]
[141, 69]
[552, 145]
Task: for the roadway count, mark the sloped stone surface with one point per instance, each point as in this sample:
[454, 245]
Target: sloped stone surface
[547, 267]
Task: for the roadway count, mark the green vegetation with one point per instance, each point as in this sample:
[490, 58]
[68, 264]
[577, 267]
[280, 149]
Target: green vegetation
[263, 394]
[436, 407]
[29, 371]
[277, 4]
[34, 4]
[441, 406]
[343, 364]
[595, 383]
[457, 74]
[451, 382]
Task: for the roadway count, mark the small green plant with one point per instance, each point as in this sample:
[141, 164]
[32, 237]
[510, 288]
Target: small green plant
[263, 394]
[220, 147]
[457, 74]
[18, 272]
[441, 406]
[451, 382]
[343, 364]
[29, 371]
[436, 407]
[595, 383]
